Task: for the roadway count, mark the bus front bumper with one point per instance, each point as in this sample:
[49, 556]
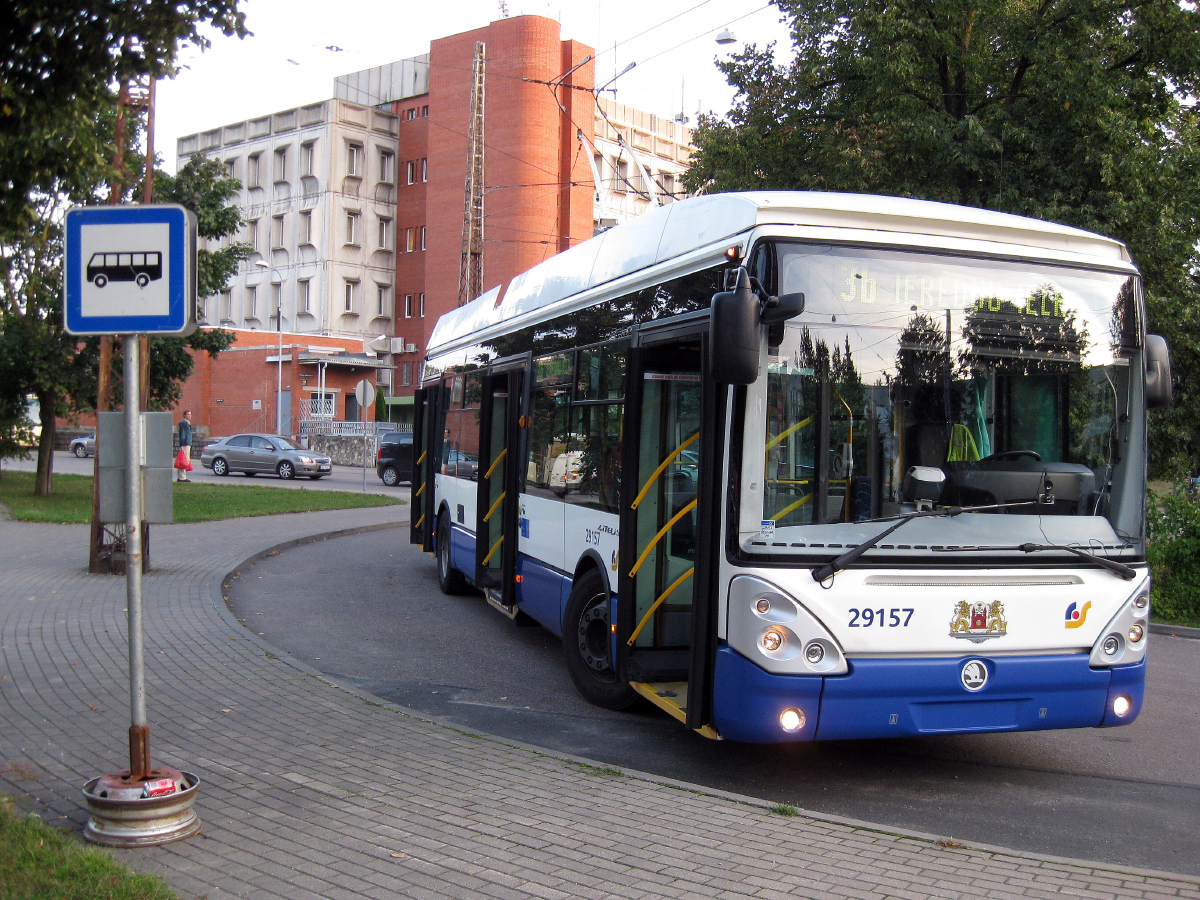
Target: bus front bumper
[904, 697]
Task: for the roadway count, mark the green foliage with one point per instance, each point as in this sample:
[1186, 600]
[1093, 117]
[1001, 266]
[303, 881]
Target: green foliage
[193, 502]
[57, 71]
[1173, 551]
[201, 186]
[1075, 112]
[38, 862]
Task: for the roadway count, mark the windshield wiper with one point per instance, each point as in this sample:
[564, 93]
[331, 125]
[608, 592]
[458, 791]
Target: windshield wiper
[842, 562]
[1112, 565]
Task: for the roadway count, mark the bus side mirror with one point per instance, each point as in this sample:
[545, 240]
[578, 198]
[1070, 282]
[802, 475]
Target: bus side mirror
[1159, 394]
[736, 333]
[778, 310]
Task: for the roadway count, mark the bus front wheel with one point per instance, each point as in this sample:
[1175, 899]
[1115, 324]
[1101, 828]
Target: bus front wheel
[587, 644]
[450, 580]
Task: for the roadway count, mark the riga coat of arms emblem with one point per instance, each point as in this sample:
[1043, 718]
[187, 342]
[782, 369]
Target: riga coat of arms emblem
[977, 622]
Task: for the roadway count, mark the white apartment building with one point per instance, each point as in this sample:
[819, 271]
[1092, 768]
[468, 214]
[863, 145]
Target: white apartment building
[638, 161]
[319, 203]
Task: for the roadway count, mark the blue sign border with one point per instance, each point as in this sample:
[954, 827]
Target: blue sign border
[180, 284]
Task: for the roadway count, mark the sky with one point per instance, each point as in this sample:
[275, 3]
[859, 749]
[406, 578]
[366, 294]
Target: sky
[299, 46]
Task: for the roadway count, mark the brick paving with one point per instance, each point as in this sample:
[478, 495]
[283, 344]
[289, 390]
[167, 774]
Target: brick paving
[310, 790]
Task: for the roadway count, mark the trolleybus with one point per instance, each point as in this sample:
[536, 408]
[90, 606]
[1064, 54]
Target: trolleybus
[800, 466]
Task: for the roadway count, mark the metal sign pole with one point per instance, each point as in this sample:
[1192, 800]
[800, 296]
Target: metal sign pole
[139, 730]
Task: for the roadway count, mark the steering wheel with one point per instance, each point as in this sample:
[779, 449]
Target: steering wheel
[1017, 454]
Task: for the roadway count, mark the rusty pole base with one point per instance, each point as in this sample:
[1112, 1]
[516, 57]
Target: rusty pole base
[141, 812]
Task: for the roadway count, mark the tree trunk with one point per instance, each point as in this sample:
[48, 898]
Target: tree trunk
[44, 483]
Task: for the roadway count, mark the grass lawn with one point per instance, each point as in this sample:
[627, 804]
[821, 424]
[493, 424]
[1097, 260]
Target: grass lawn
[38, 862]
[72, 500]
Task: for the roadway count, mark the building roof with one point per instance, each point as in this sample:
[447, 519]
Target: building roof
[679, 228]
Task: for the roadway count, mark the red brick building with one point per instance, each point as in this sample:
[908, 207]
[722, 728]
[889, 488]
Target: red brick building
[539, 190]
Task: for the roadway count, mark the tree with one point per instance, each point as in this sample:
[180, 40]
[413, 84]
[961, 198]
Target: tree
[1074, 111]
[59, 65]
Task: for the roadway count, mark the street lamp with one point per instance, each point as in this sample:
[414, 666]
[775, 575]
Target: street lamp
[279, 355]
[726, 37]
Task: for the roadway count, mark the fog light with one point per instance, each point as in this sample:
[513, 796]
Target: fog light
[814, 653]
[1122, 705]
[792, 720]
[1111, 645]
[1142, 601]
[763, 605]
[1136, 633]
[772, 640]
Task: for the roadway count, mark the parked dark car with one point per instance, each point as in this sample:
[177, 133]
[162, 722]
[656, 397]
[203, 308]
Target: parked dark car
[394, 463]
[254, 453]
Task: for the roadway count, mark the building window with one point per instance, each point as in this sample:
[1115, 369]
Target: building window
[422, 305]
[622, 180]
[352, 225]
[351, 296]
[354, 154]
[410, 240]
[412, 171]
[231, 168]
[276, 310]
[387, 166]
[226, 310]
[410, 114]
[306, 232]
[384, 295]
[385, 234]
[424, 170]
[308, 158]
[280, 164]
[422, 237]
[253, 167]
[406, 374]
[252, 234]
[277, 231]
[408, 306]
[304, 295]
[251, 301]
[424, 112]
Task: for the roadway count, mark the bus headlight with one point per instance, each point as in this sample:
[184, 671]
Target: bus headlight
[1122, 641]
[792, 720]
[777, 633]
[1122, 705]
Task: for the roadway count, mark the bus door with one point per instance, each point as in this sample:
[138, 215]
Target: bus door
[664, 588]
[428, 414]
[500, 480]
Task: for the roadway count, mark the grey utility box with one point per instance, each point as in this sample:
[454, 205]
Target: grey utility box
[156, 464]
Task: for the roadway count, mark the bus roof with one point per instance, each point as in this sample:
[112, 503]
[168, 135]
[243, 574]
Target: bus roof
[678, 228]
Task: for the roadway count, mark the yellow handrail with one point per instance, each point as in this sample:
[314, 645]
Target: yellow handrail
[661, 468]
[658, 537]
[787, 509]
[423, 455]
[850, 441]
[492, 467]
[419, 521]
[419, 490]
[779, 437]
[657, 603]
[492, 552]
[499, 500]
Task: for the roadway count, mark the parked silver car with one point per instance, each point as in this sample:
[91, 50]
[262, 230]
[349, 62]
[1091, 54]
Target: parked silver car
[84, 446]
[254, 453]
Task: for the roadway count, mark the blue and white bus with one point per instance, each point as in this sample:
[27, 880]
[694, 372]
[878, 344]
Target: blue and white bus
[800, 466]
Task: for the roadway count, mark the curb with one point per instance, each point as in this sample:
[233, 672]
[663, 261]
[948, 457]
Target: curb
[217, 590]
[1183, 631]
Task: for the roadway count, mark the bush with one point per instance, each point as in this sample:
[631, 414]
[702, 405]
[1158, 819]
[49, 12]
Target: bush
[1173, 551]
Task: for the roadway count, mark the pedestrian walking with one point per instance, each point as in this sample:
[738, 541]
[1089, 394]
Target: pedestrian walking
[183, 461]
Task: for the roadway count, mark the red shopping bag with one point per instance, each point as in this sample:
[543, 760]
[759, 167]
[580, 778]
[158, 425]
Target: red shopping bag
[184, 459]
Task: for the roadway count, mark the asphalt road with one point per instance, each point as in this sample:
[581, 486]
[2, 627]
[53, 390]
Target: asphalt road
[366, 610]
[343, 478]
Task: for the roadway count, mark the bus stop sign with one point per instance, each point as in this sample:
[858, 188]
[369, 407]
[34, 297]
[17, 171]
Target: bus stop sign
[130, 270]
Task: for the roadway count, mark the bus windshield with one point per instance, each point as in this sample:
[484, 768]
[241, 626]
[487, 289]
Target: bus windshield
[918, 381]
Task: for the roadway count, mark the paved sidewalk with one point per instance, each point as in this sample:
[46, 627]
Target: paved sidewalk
[312, 791]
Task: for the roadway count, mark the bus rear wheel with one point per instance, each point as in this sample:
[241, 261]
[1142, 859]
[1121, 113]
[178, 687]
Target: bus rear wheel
[587, 644]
